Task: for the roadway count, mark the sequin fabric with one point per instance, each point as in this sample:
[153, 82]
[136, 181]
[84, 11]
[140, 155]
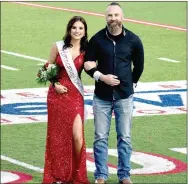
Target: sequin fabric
[60, 159]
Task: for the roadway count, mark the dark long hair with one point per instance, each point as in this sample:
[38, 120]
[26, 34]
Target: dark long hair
[67, 37]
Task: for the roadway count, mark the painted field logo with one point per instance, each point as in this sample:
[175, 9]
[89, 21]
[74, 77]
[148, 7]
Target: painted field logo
[14, 177]
[154, 98]
[150, 163]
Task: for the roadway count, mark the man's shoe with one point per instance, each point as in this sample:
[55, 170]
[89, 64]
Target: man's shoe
[100, 180]
[126, 181]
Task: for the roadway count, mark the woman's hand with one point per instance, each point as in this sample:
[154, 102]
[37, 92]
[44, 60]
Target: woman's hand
[89, 65]
[60, 88]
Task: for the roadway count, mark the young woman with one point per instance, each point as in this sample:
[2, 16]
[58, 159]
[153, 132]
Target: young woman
[65, 158]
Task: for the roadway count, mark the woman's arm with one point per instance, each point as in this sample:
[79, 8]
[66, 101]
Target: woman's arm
[53, 54]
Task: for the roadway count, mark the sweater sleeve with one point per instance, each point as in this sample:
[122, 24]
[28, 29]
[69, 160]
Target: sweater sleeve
[91, 55]
[138, 60]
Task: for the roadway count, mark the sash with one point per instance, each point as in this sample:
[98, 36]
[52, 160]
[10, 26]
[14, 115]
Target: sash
[70, 67]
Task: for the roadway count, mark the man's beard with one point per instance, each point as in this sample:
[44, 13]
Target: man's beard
[114, 26]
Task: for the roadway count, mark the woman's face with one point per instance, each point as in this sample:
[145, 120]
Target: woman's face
[77, 30]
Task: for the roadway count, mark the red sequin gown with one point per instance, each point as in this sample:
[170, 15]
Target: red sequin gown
[60, 158]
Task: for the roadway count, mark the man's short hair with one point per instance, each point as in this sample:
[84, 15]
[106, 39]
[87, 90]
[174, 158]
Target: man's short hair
[114, 4]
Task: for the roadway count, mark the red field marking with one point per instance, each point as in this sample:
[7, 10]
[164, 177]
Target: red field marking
[102, 15]
[22, 177]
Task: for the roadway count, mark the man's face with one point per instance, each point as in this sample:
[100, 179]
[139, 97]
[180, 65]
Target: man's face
[114, 16]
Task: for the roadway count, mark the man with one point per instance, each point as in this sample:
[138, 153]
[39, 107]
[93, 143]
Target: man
[115, 49]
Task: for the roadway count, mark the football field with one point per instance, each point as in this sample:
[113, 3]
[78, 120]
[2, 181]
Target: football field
[28, 30]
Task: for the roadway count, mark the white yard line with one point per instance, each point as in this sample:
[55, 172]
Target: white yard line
[180, 150]
[41, 64]
[17, 162]
[8, 67]
[44, 60]
[169, 60]
[102, 15]
[24, 56]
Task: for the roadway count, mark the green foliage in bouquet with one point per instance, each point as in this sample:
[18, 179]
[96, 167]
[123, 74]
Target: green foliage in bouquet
[47, 72]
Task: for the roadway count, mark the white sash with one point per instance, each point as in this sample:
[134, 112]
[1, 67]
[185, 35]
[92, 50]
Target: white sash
[70, 67]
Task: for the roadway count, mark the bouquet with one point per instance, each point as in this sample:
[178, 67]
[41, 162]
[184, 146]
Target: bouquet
[48, 72]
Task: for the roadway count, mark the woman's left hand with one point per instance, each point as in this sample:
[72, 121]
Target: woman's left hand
[60, 88]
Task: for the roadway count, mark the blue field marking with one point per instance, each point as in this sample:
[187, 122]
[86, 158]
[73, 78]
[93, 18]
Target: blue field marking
[22, 109]
[163, 91]
[40, 108]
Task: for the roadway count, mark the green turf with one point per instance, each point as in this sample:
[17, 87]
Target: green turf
[29, 142]
[35, 39]
[158, 12]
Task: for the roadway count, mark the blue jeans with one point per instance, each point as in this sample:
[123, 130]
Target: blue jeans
[102, 110]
